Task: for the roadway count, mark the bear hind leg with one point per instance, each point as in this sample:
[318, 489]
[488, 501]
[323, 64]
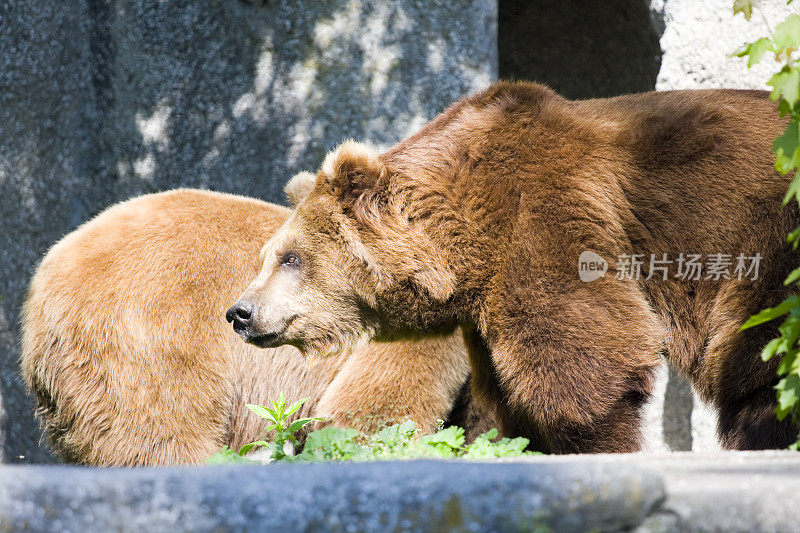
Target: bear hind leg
[749, 423]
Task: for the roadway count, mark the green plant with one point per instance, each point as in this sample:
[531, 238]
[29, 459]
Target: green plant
[285, 442]
[399, 441]
[783, 44]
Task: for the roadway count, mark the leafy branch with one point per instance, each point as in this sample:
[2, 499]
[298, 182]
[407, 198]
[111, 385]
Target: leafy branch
[783, 44]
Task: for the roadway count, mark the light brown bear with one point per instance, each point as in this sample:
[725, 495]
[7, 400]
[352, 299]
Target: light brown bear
[479, 221]
[127, 350]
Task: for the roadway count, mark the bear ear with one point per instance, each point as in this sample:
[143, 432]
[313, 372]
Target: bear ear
[356, 175]
[297, 188]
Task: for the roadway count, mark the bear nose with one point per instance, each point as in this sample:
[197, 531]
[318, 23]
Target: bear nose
[241, 314]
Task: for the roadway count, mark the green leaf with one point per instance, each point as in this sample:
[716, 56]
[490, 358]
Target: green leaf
[788, 395]
[795, 233]
[228, 456]
[261, 411]
[276, 412]
[788, 362]
[755, 51]
[452, 437]
[483, 447]
[770, 349]
[407, 429]
[298, 424]
[249, 446]
[793, 276]
[246, 448]
[341, 448]
[794, 191]
[787, 149]
[489, 435]
[396, 434]
[745, 7]
[790, 331]
[331, 436]
[296, 405]
[785, 85]
[787, 33]
[278, 408]
[784, 108]
[772, 313]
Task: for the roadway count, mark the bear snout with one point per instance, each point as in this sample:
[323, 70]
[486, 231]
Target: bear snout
[241, 315]
[248, 322]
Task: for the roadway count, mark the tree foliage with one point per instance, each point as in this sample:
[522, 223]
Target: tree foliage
[782, 44]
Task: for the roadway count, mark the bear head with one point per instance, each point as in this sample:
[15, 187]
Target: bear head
[348, 265]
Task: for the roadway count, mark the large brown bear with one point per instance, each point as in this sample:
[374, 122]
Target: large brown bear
[480, 219]
[127, 350]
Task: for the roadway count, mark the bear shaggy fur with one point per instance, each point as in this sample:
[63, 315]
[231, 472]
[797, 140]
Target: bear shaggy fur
[479, 219]
[126, 347]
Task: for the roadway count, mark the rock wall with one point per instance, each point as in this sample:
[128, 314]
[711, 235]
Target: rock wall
[580, 49]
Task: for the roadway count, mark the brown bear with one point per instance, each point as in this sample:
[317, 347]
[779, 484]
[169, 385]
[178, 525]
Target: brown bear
[127, 350]
[480, 219]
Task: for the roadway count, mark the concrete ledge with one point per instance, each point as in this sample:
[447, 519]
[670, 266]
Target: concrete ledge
[727, 491]
[642, 492]
[717, 491]
[576, 495]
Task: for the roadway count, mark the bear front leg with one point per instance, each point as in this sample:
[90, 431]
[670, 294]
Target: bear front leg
[571, 367]
[486, 391]
[389, 382]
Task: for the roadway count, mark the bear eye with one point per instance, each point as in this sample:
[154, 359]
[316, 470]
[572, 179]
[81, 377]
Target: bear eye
[290, 259]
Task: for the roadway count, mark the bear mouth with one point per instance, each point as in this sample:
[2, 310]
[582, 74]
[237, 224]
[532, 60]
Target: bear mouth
[261, 339]
[268, 340]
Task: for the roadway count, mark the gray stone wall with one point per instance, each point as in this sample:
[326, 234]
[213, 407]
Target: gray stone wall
[45, 139]
[104, 100]
[581, 49]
